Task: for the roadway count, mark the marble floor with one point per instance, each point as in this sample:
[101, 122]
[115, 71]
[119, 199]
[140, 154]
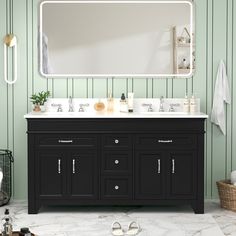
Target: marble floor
[96, 221]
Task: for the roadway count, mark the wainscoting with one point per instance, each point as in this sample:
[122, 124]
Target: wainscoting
[215, 40]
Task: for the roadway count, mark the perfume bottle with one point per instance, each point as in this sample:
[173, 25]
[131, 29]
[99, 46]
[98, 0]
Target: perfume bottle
[123, 103]
[110, 103]
[7, 224]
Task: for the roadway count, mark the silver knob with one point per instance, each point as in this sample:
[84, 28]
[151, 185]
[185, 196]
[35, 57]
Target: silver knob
[116, 141]
[116, 162]
[59, 166]
[173, 166]
[73, 166]
[158, 166]
[116, 187]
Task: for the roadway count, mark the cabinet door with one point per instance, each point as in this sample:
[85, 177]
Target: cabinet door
[181, 176]
[83, 177]
[149, 176]
[51, 173]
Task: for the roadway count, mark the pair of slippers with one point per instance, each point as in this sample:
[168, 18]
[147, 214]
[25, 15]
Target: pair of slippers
[133, 229]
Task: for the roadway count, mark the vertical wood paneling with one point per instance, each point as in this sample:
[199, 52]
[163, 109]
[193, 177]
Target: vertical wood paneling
[3, 86]
[100, 88]
[179, 88]
[229, 60]
[38, 83]
[119, 86]
[200, 85]
[140, 88]
[233, 105]
[20, 108]
[159, 88]
[59, 88]
[219, 52]
[209, 57]
[80, 88]
[215, 40]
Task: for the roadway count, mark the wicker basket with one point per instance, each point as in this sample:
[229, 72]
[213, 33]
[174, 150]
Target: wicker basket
[227, 194]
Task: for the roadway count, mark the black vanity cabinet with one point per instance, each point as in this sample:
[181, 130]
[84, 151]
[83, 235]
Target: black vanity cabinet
[115, 161]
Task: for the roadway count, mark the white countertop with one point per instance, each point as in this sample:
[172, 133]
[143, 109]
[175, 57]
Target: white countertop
[44, 115]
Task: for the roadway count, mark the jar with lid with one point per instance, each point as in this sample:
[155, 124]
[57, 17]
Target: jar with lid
[25, 232]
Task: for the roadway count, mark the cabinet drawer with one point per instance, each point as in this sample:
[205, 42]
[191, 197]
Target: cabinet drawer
[167, 140]
[116, 162]
[116, 187]
[67, 140]
[116, 141]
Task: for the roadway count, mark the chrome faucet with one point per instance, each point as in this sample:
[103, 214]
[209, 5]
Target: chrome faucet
[70, 101]
[161, 109]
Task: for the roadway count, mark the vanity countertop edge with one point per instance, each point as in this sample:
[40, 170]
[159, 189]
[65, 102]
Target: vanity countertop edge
[58, 115]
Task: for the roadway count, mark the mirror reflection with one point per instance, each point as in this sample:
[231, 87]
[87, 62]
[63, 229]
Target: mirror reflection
[116, 38]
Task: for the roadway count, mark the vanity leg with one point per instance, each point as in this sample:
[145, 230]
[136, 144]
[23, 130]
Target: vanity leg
[198, 207]
[33, 207]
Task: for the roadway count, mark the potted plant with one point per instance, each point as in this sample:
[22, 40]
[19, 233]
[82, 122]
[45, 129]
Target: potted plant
[39, 99]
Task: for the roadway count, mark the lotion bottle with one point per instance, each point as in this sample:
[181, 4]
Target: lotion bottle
[130, 102]
[193, 105]
[186, 104]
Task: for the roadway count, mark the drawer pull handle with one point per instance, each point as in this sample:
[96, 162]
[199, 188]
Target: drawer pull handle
[59, 166]
[116, 141]
[65, 141]
[165, 141]
[73, 166]
[117, 162]
[117, 187]
[158, 166]
[173, 166]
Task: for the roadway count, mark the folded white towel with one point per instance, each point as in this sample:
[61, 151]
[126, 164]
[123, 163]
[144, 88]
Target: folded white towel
[221, 96]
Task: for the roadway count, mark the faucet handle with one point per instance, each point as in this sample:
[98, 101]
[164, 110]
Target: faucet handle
[59, 107]
[171, 109]
[149, 105]
[82, 105]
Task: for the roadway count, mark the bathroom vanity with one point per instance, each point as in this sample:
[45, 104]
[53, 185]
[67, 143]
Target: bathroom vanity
[116, 160]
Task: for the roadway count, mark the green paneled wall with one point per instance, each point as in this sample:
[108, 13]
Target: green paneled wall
[215, 40]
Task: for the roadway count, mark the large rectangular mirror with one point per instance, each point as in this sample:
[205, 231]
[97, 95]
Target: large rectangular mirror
[116, 38]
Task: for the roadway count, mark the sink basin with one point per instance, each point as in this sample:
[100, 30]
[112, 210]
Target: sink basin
[164, 113]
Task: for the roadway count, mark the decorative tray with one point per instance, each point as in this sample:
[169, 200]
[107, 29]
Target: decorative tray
[17, 233]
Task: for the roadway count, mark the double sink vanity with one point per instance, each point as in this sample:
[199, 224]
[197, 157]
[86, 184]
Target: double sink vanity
[139, 158]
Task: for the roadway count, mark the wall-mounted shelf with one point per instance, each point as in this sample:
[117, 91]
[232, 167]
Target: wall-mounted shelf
[184, 45]
[176, 47]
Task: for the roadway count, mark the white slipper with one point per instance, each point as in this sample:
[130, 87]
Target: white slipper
[116, 229]
[133, 228]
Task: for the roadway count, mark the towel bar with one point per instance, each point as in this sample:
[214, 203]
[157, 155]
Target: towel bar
[10, 41]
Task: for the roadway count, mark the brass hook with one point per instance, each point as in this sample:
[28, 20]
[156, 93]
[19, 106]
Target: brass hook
[10, 40]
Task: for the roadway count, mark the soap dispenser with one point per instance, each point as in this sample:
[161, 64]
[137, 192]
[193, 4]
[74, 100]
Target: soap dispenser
[193, 104]
[123, 103]
[130, 102]
[186, 104]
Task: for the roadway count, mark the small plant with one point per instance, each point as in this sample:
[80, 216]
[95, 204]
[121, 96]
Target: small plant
[40, 98]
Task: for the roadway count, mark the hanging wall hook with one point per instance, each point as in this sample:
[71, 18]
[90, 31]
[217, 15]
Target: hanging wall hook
[10, 41]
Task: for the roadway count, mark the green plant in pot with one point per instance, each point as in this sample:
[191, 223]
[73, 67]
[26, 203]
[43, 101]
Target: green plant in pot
[39, 99]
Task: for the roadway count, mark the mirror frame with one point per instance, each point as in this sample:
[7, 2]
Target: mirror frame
[189, 75]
